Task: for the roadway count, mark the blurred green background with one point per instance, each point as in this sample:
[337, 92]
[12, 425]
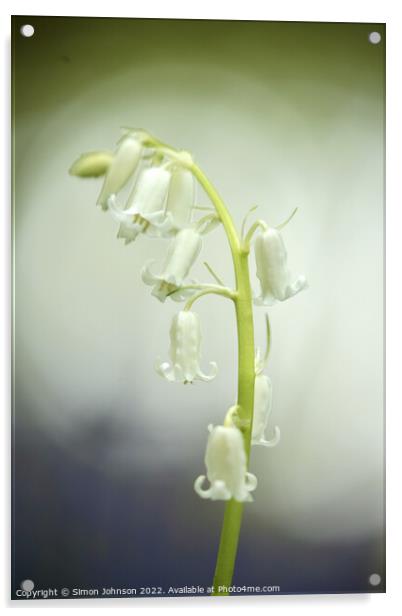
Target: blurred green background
[105, 453]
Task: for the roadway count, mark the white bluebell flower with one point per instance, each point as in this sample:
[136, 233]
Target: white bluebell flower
[182, 252]
[226, 463]
[122, 167]
[272, 269]
[145, 208]
[185, 351]
[262, 403]
[262, 412]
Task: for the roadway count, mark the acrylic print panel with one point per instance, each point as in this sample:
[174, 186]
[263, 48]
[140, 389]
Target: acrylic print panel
[139, 148]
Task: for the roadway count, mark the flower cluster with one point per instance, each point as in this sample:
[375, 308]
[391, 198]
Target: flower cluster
[162, 195]
[161, 204]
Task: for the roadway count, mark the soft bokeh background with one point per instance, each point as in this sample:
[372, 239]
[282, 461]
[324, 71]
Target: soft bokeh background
[105, 452]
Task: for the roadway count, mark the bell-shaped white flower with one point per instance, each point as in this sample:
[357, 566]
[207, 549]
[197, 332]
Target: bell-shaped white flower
[145, 209]
[182, 252]
[226, 463]
[92, 164]
[181, 197]
[263, 401]
[262, 412]
[272, 269]
[124, 163]
[185, 351]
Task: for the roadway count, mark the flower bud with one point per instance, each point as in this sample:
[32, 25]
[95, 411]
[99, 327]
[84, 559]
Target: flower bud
[272, 269]
[226, 463]
[183, 250]
[185, 351]
[92, 164]
[124, 163]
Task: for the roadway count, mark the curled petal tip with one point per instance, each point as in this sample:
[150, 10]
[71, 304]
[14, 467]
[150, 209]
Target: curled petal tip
[216, 491]
[251, 482]
[146, 275]
[272, 442]
[165, 370]
[298, 285]
[303, 283]
[210, 377]
[198, 487]
[275, 439]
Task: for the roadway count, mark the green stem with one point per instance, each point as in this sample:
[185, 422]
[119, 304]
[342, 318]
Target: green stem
[246, 374]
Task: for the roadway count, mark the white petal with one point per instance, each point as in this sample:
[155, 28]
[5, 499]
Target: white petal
[242, 495]
[251, 482]
[147, 276]
[262, 405]
[122, 167]
[162, 290]
[197, 487]
[129, 234]
[166, 371]
[265, 300]
[243, 492]
[150, 192]
[116, 212]
[259, 363]
[272, 442]
[205, 377]
[179, 374]
[298, 285]
[182, 252]
[160, 225]
[181, 197]
[155, 218]
[219, 491]
[128, 229]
